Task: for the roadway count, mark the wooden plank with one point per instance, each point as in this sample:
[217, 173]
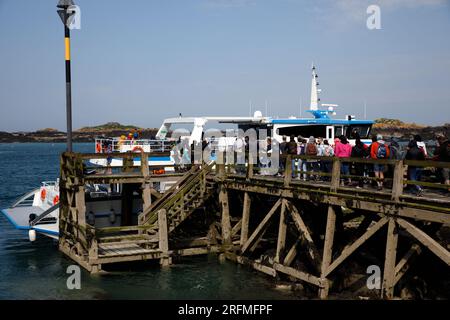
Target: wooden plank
[397, 183]
[298, 274]
[281, 239]
[236, 228]
[426, 240]
[387, 289]
[350, 249]
[146, 196]
[404, 263]
[245, 218]
[335, 175]
[255, 265]
[288, 171]
[313, 253]
[292, 253]
[328, 249]
[260, 229]
[226, 222]
[163, 236]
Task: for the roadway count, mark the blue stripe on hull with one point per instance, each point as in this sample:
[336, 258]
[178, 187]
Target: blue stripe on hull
[13, 222]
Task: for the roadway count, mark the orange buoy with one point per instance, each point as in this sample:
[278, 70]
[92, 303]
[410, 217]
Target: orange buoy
[137, 149]
[55, 199]
[98, 147]
[43, 194]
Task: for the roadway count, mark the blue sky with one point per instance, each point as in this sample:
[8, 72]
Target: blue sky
[138, 61]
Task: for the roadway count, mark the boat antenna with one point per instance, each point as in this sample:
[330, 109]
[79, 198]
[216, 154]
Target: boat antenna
[250, 108]
[266, 109]
[315, 100]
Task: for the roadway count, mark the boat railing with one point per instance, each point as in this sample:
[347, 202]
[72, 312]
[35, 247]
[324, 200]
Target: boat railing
[108, 145]
[25, 200]
[44, 215]
[49, 183]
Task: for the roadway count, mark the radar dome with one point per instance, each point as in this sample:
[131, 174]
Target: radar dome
[257, 114]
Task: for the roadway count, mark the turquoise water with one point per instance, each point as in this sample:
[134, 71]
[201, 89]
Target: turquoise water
[38, 270]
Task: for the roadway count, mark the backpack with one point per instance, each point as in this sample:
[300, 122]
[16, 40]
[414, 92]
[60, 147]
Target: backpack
[311, 149]
[395, 153]
[381, 151]
[328, 152]
[292, 147]
[358, 151]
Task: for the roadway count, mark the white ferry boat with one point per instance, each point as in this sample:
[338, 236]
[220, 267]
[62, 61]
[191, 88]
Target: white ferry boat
[38, 210]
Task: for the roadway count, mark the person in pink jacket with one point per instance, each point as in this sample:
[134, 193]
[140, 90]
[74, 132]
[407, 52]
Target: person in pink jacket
[344, 150]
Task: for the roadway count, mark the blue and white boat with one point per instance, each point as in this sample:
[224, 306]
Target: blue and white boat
[38, 210]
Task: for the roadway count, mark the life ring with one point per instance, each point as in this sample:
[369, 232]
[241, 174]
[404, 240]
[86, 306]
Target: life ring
[137, 149]
[159, 171]
[43, 194]
[55, 200]
[98, 147]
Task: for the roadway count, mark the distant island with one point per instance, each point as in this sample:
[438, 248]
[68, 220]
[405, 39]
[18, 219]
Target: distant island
[386, 127]
[85, 134]
[404, 131]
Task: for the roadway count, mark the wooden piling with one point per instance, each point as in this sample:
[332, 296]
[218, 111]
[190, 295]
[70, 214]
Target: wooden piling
[389, 263]
[165, 260]
[327, 250]
[245, 218]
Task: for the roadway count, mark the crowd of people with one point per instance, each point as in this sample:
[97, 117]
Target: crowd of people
[319, 168]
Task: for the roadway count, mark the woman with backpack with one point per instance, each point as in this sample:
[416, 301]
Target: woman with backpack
[379, 150]
[360, 150]
[311, 150]
[328, 151]
[344, 150]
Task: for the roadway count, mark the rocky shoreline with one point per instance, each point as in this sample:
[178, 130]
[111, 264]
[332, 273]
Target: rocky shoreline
[57, 136]
[401, 131]
[405, 133]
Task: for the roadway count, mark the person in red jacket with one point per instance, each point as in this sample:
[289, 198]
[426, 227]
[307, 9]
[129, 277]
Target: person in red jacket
[379, 150]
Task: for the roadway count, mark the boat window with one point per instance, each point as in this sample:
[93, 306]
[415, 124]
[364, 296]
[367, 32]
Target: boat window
[363, 130]
[304, 131]
[257, 128]
[179, 130]
[338, 131]
[330, 133]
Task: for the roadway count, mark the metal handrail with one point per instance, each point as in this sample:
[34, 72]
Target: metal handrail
[44, 214]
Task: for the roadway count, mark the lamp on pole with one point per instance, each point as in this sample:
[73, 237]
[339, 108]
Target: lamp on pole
[66, 13]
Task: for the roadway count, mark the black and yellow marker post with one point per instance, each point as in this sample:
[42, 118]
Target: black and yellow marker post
[65, 14]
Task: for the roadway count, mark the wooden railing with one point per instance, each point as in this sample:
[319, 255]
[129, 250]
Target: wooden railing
[193, 185]
[396, 179]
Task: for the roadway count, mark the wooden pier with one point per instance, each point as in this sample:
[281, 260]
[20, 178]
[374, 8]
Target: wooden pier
[279, 225]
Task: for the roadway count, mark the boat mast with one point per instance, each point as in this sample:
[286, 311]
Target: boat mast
[314, 90]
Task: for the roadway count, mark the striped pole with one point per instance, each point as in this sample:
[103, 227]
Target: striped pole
[68, 89]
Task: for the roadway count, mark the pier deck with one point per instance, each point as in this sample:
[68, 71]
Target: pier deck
[305, 224]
